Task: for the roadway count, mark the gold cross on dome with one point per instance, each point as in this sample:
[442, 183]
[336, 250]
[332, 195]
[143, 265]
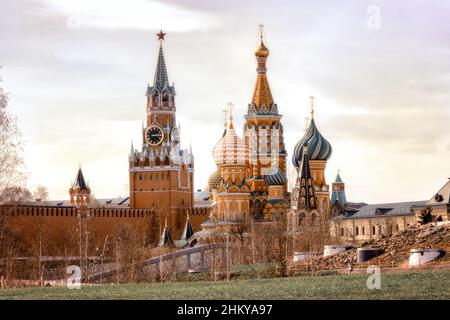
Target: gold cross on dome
[225, 117]
[312, 104]
[261, 31]
[230, 110]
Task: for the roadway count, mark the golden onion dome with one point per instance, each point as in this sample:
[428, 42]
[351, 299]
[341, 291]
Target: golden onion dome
[214, 180]
[262, 51]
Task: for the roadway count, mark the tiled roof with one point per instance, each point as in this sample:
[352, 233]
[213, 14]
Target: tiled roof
[442, 196]
[161, 79]
[230, 149]
[385, 209]
[80, 182]
[107, 202]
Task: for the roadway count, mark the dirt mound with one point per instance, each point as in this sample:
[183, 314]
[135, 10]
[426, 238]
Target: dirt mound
[395, 250]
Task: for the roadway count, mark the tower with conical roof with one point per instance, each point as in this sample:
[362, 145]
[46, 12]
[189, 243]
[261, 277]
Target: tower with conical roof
[338, 198]
[319, 151]
[161, 173]
[80, 193]
[338, 191]
[304, 203]
[264, 139]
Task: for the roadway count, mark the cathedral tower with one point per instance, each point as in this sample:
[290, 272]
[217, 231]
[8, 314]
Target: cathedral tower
[161, 173]
[319, 151]
[233, 191]
[264, 139]
[303, 199]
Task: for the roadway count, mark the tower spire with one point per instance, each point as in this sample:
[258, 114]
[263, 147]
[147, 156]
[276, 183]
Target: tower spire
[338, 196]
[80, 182]
[262, 96]
[306, 183]
[161, 79]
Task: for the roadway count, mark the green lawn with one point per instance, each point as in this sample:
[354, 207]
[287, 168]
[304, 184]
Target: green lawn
[404, 285]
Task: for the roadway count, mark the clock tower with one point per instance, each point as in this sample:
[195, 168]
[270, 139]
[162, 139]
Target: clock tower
[161, 173]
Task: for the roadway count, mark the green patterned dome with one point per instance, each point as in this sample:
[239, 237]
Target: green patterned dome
[318, 147]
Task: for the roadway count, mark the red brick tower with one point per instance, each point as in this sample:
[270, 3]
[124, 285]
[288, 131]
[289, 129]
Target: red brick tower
[162, 174]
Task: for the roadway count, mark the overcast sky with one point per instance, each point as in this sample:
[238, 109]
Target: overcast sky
[76, 72]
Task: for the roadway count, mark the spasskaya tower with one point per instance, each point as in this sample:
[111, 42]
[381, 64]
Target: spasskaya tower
[161, 173]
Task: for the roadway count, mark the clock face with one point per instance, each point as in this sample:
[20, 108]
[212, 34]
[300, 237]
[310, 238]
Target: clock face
[154, 135]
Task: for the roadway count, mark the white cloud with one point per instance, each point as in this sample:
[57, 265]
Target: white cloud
[132, 14]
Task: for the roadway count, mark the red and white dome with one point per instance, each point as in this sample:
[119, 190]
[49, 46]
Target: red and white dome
[230, 150]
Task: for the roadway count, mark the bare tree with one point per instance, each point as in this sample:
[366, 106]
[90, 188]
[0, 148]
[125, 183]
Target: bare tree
[425, 215]
[11, 162]
[129, 253]
[15, 195]
[12, 180]
[40, 193]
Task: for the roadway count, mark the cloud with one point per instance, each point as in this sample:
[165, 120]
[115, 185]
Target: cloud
[77, 73]
[135, 14]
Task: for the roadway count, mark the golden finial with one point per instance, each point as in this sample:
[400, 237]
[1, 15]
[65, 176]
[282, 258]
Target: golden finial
[165, 222]
[261, 31]
[312, 104]
[225, 117]
[261, 51]
[230, 110]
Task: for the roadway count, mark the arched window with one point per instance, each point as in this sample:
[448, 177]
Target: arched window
[301, 219]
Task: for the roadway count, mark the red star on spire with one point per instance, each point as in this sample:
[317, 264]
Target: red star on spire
[161, 35]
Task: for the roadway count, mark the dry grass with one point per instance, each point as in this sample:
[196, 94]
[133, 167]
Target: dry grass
[429, 284]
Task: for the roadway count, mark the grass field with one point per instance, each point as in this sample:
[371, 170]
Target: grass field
[400, 285]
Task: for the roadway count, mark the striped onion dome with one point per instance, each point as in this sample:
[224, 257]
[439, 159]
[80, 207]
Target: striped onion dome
[318, 147]
[214, 180]
[230, 149]
[277, 179]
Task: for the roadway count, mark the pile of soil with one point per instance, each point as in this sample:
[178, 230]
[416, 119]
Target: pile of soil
[395, 250]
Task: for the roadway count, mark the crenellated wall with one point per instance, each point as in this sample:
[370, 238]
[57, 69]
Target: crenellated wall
[58, 226]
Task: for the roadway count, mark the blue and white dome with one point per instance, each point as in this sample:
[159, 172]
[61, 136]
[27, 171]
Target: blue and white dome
[318, 147]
